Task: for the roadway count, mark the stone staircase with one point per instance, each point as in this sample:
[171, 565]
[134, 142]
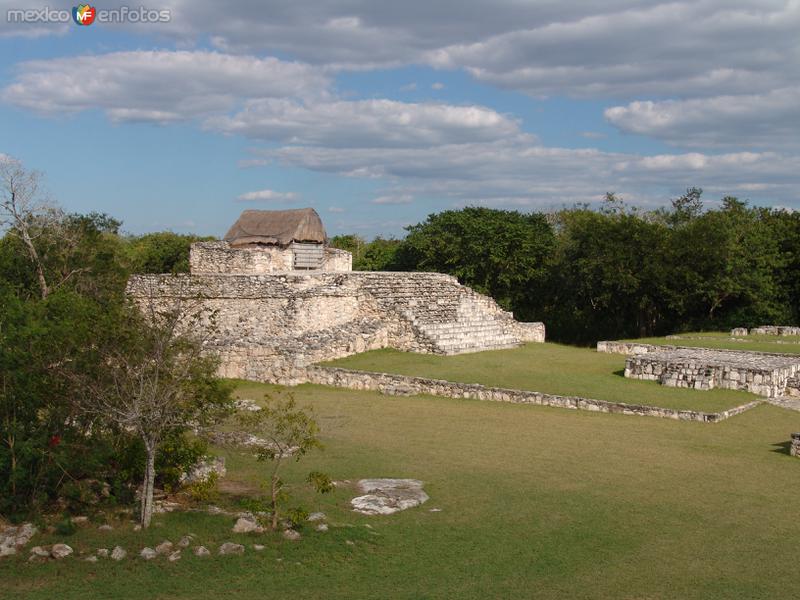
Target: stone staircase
[447, 317]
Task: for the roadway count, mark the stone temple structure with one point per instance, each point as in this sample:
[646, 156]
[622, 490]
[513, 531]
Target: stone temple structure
[281, 300]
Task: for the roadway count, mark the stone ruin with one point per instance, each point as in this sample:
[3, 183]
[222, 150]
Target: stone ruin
[766, 330]
[281, 299]
[764, 374]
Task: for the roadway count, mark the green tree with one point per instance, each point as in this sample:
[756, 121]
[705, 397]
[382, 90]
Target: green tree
[290, 432]
[497, 252]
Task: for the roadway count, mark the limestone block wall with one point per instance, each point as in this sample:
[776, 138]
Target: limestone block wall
[703, 369]
[794, 449]
[775, 330]
[218, 258]
[269, 327]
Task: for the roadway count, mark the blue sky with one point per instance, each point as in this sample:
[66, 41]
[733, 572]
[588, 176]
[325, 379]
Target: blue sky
[379, 114]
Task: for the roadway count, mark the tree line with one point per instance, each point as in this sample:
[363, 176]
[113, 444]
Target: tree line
[613, 272]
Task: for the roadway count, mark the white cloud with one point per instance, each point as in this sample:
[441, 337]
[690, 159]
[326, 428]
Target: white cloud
[437, 86]
[335, 209]
[767, 120]
[143, 85]
[267, 196]
[365, 123]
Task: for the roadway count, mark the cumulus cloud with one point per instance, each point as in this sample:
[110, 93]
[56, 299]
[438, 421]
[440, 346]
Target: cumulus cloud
[141, 85]
[766, 120]
[365, 123]
[267, 196]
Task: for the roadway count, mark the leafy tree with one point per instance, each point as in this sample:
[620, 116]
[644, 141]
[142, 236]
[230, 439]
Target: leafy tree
[163, 252]
[290, 432]
[498, 252]
[149, 375]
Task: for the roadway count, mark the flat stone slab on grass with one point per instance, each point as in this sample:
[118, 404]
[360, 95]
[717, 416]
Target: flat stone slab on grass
[388, 496]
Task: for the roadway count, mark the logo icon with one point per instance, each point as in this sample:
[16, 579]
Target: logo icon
[83, 14]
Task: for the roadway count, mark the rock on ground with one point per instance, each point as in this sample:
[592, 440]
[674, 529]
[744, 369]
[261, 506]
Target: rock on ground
[203, 470]
[388, 496]
[291, 534]
[185, 541]
[15, 537]
[118, 553]
[174, 556]
[247, 525]
[148, 553]
[102, 552]
[164, 547]
[201, 551]
[316, 516]
[322, 527]
[231, 548]
[59, 551]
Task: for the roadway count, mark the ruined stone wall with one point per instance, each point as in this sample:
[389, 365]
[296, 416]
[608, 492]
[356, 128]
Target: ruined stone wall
[218, 258]
[703, 369]
[269, 327]
[392, 384]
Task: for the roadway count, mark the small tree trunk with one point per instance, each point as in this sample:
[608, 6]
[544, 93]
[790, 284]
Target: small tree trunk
[147, 486]
[275, 489]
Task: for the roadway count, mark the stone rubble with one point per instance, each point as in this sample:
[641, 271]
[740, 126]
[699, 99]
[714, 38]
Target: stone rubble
[59, 551]
[202, 471]
[231, 548]
[247, 525]
[291, 535]
[118, 553]
[148, 553]
[15, 537]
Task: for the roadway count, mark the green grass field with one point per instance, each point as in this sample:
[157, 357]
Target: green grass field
[535, 502]
[549, 368]
[789, 344]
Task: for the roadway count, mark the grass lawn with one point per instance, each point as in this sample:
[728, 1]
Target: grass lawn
[535, 502]
[550, 368]
[789, 344]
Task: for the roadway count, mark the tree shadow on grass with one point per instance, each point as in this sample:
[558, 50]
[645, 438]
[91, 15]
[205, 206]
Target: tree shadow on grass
[782, 448]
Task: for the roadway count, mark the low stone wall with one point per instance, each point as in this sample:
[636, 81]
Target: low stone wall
[794, 449]
[775, 330]
[705, 369]
[738, 331]
[392, 384]
[615, 347]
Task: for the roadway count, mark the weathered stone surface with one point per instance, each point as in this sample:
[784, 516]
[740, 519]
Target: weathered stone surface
[40, 551]
[59, 551]
[220, 257]
[291, 535]
[173, 556]
[794, 449]
[322, 527]
[775, 330]
[271, 327]
[15, 537]
[105, 527]
[388, 496]
[118, 553]
[202, 471]
[316, 516]
[258, 547]
[231, 548]
[761, 373]
[185, 541]
[91, 559]
[103, 552]
[201, 551]
[247, 525]
[148, 553]
[739, 331]
[164, 547]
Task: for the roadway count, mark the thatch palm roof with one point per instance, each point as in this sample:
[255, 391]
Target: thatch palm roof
[278, 227]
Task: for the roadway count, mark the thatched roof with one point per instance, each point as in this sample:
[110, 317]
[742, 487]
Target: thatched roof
[279, 227]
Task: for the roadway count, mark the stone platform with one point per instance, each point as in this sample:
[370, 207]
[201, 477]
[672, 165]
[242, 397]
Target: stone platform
[703, 369]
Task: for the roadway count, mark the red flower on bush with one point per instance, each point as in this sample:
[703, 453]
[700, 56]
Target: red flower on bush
[55, 440]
